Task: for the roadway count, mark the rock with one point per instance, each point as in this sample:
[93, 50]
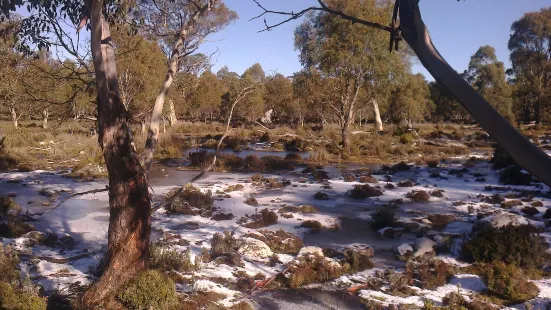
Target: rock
[405, 249]
[500, 220]
[537, 204]
[9, 206]
[307, 250]
[437, 193]
[424, 246]
[313, 225]
[321, 196]
[530, 210]
[288, 209]
[366, 178]
[511, 203]
[349, 178]
[418, 196]
[494, 199]
[392, 233]
[389, 186]
[252, 202]
[254, 248]
[308, 209]
[364, 249]
[547, 214]
[365, 191]
[222, 216]
[441, 220]
[359, 258]
[406, 183]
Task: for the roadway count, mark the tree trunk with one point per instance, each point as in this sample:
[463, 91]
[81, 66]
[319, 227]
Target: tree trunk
[153, 133]
[172, 115]
[14, 117]
[164, 124]
[129, 200]
[45, 115]
[415, 33]
[378, 120]
[537, 110]
[144, 127]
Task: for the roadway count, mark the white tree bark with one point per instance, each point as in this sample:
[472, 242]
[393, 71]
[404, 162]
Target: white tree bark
[45, 115]
[14, 117]
[378, 120]
[164, 124]
[172, 120]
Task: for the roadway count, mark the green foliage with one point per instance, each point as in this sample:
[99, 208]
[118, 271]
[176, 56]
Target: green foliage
[520, 246]
[508, 282]
[149, 290]
[12, 298]
[163, 257]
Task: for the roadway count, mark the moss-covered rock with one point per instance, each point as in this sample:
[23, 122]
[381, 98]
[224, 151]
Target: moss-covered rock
[508, 282]
[312, 225]
[308, 209]
[418, 196]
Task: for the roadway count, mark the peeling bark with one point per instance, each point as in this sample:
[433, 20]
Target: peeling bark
[129, 200]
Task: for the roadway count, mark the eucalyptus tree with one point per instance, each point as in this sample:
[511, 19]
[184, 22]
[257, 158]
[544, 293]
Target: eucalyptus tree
[487, 76]
[182, 25]
[348, 55]
[530, 46]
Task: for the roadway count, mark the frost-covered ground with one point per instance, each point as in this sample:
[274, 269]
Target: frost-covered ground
[81, 224]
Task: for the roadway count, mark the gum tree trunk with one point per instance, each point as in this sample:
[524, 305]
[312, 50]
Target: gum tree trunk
[172, 67]
[14, 117]
[378, 120]
[129, 200]
[172, 114]
[526, 154]
[45, 115]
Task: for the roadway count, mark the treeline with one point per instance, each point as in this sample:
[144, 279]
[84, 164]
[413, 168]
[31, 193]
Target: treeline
[340, 82]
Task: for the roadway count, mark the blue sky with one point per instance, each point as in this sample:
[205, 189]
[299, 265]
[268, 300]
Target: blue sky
[457, 29]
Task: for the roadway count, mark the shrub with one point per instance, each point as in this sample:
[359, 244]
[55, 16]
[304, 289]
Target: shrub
[429, 274]
[406, 138]
[321, 196]
[517, 245]
[418, 196]
[501, 158]
[18, 299]
[362, 191]
[253, 163]
[508, 282]
[313, 269]
[383, 217]
[191, 201]
[163, 257]
[149, 290]
[277, 163]
[201, 158]
[13, 227]
[251, 201]
[263, 219]
[223, 243]
[514, 176]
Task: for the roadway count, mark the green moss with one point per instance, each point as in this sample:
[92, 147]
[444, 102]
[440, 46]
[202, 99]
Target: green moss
[18, 299]
[149, 290]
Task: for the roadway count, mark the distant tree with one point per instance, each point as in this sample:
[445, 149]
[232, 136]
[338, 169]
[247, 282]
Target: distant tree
[251, 107]
[348, 55]
[446, 107]
[411, 101]
[309, 96]
[205, 99]
[530, 46]
[279, 98]
[487, 75]
[255, 72]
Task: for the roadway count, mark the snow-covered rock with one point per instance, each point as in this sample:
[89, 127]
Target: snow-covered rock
[501, 220]
[310, 250]
[254, 248]
[424, 246]
[404, 249]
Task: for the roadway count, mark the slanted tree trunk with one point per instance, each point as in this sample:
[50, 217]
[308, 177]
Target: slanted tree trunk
[45, 115]
[378, 120]
[129, 199]
[153, 133]
[14, 117]
[172, 114]
[529, 156]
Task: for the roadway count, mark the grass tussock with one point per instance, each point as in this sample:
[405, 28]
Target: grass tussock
[191, 201]
[149, 290]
